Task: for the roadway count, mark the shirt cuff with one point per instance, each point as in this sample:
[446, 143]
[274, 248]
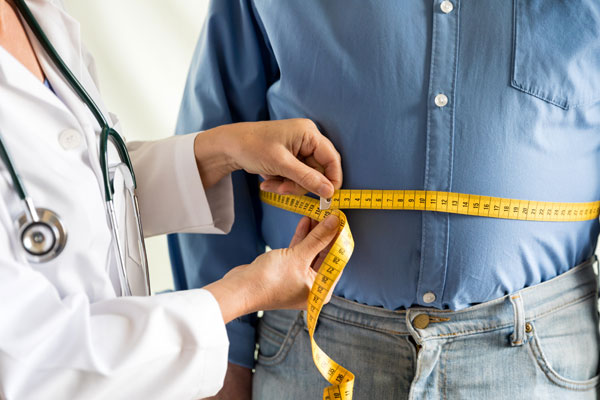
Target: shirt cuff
[218, 199]
[170, 191]
[243, 343]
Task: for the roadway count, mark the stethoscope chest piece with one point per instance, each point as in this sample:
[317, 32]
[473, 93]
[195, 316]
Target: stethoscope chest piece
[44, 238]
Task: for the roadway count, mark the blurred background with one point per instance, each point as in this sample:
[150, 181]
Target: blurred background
[142, 49]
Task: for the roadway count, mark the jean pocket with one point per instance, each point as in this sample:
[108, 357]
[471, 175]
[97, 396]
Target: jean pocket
[277, 331]
[556, 53]
[565, 345]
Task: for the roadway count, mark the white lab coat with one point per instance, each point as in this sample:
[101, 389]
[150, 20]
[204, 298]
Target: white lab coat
[64, 333]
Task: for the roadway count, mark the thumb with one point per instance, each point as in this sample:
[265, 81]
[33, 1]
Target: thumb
[319, 238]
[306, 177]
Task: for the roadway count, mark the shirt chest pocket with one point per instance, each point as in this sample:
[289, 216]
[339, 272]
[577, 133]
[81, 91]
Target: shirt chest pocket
[557, 51]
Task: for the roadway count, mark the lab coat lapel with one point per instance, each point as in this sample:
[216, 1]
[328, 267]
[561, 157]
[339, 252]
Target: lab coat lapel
[64, 33]
[14, 75]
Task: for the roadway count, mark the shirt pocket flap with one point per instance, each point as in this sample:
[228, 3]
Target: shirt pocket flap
[557, 51]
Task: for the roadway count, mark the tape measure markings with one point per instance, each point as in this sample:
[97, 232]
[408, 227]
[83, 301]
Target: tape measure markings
[465, 204]
[342, 380]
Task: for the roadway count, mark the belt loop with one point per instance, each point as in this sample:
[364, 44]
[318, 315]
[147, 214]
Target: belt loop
[518, 336]
[303, 315]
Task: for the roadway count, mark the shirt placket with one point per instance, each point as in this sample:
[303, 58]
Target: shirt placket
[439, 149]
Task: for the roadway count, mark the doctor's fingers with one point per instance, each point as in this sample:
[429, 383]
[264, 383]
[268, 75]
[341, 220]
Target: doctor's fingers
[280, 185]
[302, 178]
[319, 153]
[305, 225]
[285, 186]
[302, 229]
[317, 239]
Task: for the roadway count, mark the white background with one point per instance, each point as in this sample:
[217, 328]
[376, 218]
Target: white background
[142, 49]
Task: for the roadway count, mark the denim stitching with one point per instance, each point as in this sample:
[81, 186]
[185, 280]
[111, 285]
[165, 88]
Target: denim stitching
[443, 371]
[553, 376]
[286, 345]
[531, 318]
[370, 310]
[575, 270]
[460, 333]
[272, 339]
[272, 331]
[500, 300]
[497, 327]
[572, 302]
[519, 320]
[356, 324]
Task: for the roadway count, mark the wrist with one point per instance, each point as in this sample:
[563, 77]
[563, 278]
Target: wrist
[233, 293]
[213, 157]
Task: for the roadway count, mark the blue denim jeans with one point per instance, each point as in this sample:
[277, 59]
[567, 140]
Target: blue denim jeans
[539, 343]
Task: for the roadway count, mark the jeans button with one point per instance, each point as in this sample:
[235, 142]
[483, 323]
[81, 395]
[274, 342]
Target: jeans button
[421, 321]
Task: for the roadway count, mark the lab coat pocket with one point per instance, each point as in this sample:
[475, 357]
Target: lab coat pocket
[556, 52]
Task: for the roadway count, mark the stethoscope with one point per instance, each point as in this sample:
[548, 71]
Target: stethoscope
[42, 234]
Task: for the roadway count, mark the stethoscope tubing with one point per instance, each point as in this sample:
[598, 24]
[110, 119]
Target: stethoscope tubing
[107, 134]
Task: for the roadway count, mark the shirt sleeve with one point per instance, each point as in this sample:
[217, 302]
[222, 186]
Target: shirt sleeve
[170, 192]
[170, 346]
[231, 70]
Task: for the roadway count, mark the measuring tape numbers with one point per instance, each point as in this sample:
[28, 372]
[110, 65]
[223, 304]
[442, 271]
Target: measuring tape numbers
[467, 204]
[342, 380]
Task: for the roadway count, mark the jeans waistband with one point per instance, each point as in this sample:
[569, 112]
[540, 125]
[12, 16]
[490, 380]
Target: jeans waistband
[575, 285]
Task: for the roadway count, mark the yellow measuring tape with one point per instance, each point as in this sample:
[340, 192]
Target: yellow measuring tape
[341, 379]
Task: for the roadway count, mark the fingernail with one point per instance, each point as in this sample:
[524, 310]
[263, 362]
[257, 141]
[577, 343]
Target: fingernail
[332, 221]
[325, 190]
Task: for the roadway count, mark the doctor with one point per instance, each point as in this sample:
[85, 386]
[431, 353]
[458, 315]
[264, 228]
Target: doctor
[66, 258]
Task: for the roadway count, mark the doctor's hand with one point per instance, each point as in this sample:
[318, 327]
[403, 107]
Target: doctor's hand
[280, 278]
[277, 279]
[291, 155]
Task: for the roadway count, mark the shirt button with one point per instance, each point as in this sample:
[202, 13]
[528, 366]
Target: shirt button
[446, 6]
[69, 139]
[429, 297]
[441, 100]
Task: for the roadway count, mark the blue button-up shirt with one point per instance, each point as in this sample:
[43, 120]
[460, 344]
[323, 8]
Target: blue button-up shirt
[521, 119]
